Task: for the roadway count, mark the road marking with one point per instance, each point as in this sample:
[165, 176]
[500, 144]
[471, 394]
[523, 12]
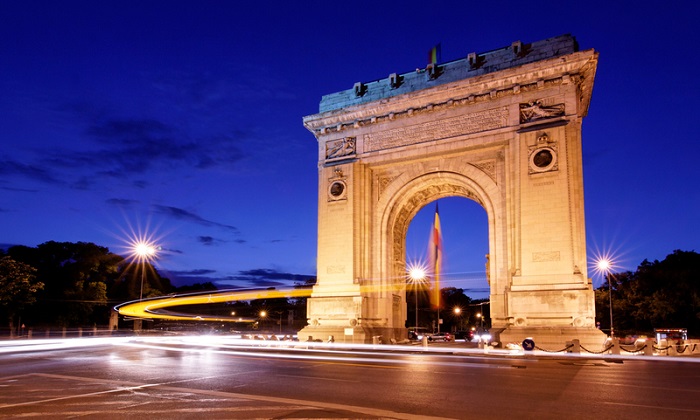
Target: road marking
[318, 377]
[665, 409]
[290, 403]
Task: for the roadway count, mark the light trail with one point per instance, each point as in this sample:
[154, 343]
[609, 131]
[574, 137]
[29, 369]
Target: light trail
[157, 308]
[324, 352]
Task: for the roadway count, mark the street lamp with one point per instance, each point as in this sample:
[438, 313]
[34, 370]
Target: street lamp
[263, 315]
[458, 314]
[144, 251]
[604, 267]
[416, 277]
[280, 321]
[481, 320]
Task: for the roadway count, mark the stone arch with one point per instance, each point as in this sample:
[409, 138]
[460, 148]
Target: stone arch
[506, 135]
[400, 208]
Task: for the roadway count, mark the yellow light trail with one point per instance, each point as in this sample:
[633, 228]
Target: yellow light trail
[157, 308]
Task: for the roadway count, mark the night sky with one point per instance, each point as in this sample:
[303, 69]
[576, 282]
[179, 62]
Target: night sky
[181, 121]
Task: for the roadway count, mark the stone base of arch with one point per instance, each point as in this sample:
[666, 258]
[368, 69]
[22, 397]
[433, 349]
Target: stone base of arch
[362, 335]
[551, 338]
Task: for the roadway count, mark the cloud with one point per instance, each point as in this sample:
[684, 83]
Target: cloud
[181, 214]
[212, 241]
[268, 274]
[256, 278]
[121, 202]
[13, 189]
[10, 168]
[206, 240]
[195, 272]
[125, 148]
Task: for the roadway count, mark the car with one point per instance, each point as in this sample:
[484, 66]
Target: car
[482, 335]
[464, 335]
[417, 333]
[442, 336]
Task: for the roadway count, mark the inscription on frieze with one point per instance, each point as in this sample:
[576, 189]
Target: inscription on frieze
[334, 307]
[335, 269]
[546, 256]
[489, 119]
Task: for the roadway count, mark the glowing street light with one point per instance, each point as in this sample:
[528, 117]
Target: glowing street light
[263, 315]
[416, 276]
[144, 251]
[604, 266]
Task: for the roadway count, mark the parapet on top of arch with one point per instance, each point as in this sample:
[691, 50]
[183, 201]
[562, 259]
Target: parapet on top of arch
[554, 61]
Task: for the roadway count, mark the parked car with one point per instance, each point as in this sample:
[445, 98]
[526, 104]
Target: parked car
[442, 336]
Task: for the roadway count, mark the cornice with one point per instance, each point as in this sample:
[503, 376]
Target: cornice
[576, 68]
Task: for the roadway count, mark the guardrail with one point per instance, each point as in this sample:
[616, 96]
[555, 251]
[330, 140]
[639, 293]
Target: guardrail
[29, 333]
[647, 348]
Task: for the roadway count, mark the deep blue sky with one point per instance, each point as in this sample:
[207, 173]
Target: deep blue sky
[182, 120]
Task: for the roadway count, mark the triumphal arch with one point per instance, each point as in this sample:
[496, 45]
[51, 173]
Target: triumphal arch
[502, 128]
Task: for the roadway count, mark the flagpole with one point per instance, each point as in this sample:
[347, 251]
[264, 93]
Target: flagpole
[436, 256]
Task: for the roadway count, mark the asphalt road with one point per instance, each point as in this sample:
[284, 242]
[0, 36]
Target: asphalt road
[177, 378]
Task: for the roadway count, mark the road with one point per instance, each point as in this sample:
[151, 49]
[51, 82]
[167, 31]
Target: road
[177, 377]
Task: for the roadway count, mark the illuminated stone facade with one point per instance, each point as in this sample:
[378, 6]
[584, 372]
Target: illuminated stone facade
[502, 128]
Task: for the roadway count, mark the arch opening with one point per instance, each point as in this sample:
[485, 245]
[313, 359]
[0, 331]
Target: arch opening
[463, 273]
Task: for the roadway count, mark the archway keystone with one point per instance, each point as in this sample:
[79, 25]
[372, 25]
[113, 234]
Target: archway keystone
[502, 129]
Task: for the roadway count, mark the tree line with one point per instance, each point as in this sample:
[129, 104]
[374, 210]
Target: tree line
[68, 284]
[65, 284]
[658, 294]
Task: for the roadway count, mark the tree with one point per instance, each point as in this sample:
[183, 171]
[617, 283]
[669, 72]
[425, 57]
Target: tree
[18, 287]
[658, 294]
[76, 278]
[451, 298]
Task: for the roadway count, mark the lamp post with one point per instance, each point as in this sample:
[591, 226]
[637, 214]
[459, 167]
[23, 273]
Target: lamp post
[604, 267]
[144, 251]
[263, 315]
[416, 276]
[458, 314]
[481, 320]
[280, 320]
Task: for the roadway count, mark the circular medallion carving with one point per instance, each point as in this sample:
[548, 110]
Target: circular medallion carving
[337, 190]
[543, 159]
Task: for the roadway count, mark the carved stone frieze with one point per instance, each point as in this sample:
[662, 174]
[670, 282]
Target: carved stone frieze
[383, 181]
[418, 200]
[340, 148]
[488, 167]
[537, 110]
[489, 119]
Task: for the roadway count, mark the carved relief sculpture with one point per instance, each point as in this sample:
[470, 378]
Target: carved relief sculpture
[535, 110]
[340, 148]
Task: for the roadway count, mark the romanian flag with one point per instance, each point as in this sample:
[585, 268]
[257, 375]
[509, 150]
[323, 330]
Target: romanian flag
[434, 54]
[435, 254]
